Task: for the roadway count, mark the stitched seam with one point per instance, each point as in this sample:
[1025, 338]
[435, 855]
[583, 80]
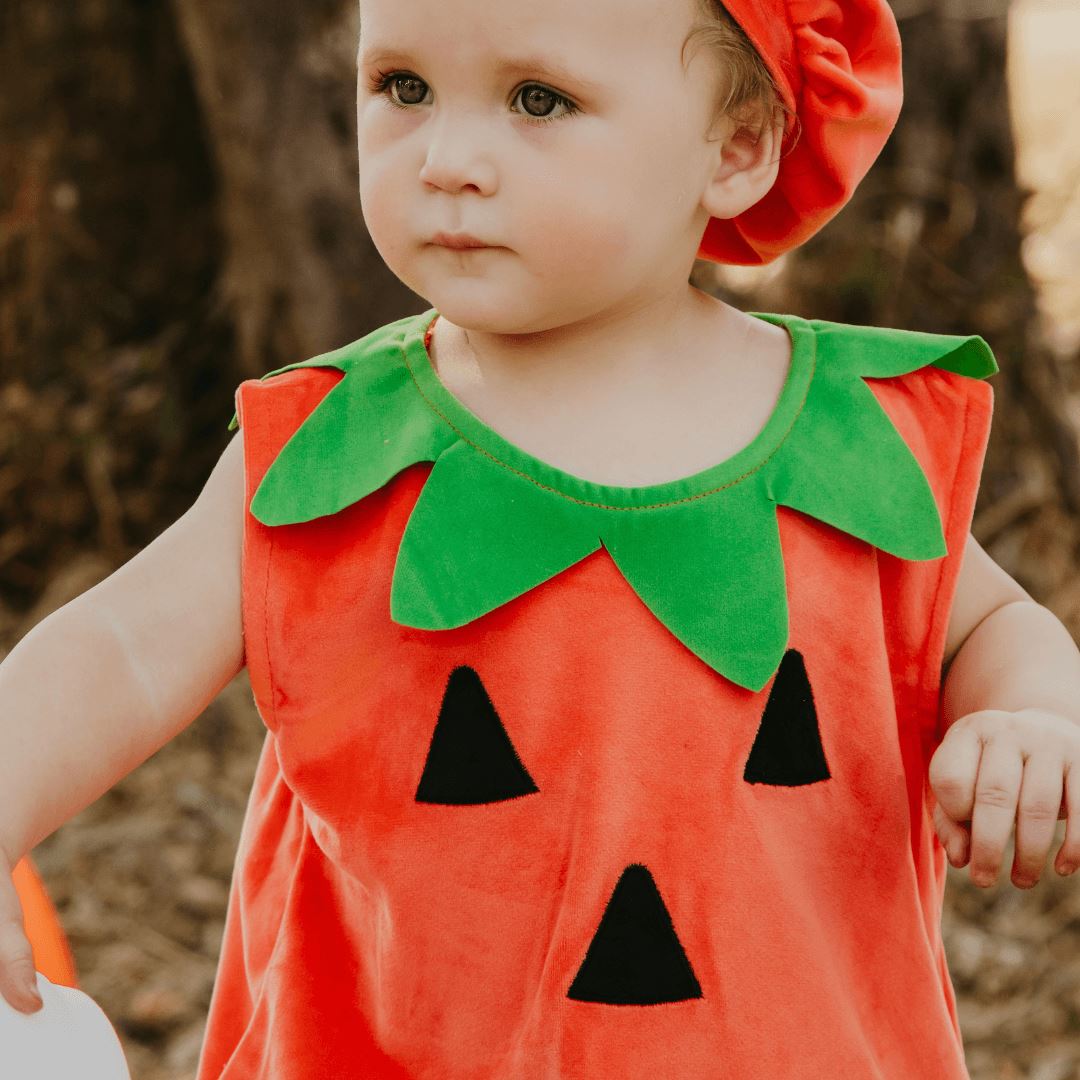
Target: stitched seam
[606, 506]
[935, 613]
[245, 555]
[266, 632]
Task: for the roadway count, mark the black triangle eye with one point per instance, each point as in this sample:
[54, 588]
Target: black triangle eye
[471, 759]
[787, 751]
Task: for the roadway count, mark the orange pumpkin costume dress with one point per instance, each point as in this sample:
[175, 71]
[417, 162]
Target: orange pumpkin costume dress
[569, 780]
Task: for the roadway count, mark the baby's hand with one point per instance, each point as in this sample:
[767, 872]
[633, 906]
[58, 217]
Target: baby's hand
[989, 763]
[17, 974]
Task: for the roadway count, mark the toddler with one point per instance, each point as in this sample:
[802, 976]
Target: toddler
[627, 666]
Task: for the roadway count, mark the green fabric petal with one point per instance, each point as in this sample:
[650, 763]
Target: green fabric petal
[381, 341]
[875, 352]
[353, 443]
[479, 536]
[727, 600]
[858, 474]
[365, 431]
[703, 553]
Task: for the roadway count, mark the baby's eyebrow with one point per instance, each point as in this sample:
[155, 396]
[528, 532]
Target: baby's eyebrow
[549, 69]
[503, 65]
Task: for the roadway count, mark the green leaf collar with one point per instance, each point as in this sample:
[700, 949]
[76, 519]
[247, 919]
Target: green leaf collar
[493, 522]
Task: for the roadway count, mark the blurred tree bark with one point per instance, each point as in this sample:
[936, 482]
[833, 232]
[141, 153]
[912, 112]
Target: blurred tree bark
[178, 211]
[277, 83]
[109, 336]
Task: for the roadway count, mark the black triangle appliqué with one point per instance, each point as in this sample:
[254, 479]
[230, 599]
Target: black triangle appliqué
[471, 759]
[787, 751]
[635, 957]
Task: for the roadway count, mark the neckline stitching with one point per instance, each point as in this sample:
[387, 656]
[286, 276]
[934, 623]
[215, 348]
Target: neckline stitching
[400, 342]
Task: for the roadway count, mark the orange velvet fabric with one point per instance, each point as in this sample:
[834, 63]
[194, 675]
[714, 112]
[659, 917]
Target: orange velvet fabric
[373, 935]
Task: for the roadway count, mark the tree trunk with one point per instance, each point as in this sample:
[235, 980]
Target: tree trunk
[277, 83]
[108, 340]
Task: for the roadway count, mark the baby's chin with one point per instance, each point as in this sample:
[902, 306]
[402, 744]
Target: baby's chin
[493, 304]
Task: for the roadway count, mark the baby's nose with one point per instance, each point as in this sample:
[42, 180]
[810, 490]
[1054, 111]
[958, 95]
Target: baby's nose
[459, 157]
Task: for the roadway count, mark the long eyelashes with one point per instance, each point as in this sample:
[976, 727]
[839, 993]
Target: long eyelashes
[380, 83]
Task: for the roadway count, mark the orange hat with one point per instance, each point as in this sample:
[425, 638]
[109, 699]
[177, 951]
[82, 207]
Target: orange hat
[837, 65]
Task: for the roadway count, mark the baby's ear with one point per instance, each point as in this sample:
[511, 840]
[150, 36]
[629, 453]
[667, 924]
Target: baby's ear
[746, 166]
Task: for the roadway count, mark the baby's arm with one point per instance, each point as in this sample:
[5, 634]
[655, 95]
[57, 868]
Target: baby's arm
[1003, 650]
[1011, 720]
[98, 686]
[982, 587]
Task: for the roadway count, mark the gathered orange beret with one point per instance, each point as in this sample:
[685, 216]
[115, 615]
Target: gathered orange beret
[837, 66]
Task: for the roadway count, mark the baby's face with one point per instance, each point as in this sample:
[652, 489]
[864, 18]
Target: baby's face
[568, 135]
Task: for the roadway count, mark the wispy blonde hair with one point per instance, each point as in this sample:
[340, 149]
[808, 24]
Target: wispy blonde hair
[747, 91]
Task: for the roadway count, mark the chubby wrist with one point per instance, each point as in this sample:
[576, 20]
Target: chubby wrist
[1020, 657]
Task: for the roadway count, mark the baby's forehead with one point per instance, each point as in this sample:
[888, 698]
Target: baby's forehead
[572, 27]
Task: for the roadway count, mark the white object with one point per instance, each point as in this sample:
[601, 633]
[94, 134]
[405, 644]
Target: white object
[68, 1038]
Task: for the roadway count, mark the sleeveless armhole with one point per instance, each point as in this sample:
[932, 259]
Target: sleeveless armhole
[956, 519]
[945, 420]
[269, 412]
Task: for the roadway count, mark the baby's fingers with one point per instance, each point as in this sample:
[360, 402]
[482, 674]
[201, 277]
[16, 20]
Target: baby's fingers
[997, 791]
[954, 837]
[1068, 858]
[1037, 815]
[953, 771]
[17, 972]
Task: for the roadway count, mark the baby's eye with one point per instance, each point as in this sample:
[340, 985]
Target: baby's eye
[409, 90]
[539, 102]
[404, 91]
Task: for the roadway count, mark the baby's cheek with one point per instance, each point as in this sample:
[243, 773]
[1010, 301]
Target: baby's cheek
[583, 244]
[385, 213]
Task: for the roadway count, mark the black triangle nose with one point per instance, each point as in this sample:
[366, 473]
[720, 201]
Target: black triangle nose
[635, 957]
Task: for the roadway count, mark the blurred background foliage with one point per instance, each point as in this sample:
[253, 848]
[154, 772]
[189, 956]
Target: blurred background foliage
[178, 212]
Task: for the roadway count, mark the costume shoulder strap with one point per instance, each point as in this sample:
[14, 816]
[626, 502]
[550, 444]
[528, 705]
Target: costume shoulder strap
[933, 391]
[269, 413]
[881, 352]
[944, 418]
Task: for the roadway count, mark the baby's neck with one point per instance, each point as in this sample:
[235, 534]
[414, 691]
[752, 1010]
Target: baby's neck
[644, 399]
[636, 342]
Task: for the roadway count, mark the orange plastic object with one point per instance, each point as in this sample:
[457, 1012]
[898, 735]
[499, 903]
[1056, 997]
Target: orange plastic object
[52, 953]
